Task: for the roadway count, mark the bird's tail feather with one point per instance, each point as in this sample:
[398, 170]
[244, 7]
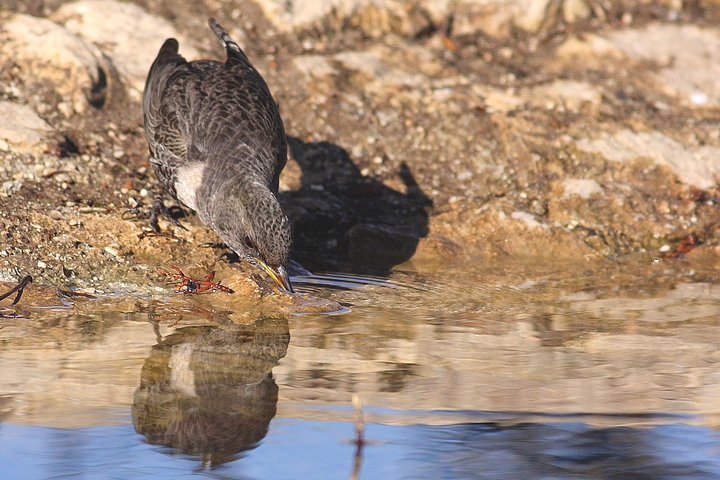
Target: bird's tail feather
[233, 49]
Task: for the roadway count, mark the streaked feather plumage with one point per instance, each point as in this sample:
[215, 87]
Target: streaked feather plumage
[219, 120]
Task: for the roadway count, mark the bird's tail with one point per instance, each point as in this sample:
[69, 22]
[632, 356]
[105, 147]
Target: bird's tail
[233, 49]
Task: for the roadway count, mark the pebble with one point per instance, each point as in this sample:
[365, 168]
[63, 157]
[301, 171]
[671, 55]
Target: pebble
[112, 250]
[41, 264]
[55, 215]
[132, 203]
[357, 151]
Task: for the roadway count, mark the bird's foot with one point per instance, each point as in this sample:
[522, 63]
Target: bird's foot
[159, 208]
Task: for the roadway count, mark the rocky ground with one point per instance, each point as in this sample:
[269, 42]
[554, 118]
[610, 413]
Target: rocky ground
[428, 132]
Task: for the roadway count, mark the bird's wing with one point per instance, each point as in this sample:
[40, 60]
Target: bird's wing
[161, 121]
[166, 165]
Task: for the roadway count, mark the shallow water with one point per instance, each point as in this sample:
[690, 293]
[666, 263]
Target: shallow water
[525, 370]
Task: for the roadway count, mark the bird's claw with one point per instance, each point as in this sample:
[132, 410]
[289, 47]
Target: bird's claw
[159, 208]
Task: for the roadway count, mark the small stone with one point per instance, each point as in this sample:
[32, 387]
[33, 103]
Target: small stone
[698, 98]
[55, 215]
[143, 193]
[132, 203]
[66, 109]
[665, 248]
[41, 264]
[4, 145]
[575, 10]
[112, 251]
[357, 151]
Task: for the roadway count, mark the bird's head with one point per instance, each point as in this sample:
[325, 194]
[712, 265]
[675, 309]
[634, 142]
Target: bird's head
[267, 246]
[252, 223]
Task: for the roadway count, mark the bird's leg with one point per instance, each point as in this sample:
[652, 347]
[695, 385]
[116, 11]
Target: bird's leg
[159, 208]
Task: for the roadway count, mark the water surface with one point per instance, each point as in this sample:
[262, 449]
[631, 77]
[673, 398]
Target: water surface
[502, 371]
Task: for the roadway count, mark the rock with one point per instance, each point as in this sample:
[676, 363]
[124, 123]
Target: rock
[588, 51]
[412, 18]
[575, 10]
[288, 16]
[128, 34]
[45, 51]
[568, 94]
[405, 18]
[314, 66]
[436, 248]
[689, 54]
[581, 187]
[693, 166]
[533, 15]
[381, 74]
[528, 219]
[571, 94]
[22, 128]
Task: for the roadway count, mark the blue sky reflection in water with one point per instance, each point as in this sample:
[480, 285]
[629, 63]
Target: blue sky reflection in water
[305, 449]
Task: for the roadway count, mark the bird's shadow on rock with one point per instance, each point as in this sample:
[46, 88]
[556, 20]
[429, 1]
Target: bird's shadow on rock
[345, 221]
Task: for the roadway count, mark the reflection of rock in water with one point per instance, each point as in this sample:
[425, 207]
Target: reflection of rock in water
[208, 390]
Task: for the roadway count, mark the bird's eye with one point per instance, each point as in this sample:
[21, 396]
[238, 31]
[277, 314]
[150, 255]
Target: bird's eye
[248, 243]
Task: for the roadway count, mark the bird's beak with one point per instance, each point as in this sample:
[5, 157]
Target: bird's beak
[279, 276]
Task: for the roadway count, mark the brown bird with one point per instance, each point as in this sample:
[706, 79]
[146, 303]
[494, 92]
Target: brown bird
[217, 145]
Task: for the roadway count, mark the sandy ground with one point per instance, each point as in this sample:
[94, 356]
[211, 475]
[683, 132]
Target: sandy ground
[419, 137]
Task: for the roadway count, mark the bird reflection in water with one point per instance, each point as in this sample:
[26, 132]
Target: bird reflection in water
[208, 391]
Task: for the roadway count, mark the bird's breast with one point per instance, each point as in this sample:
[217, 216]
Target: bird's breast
[189, 178]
